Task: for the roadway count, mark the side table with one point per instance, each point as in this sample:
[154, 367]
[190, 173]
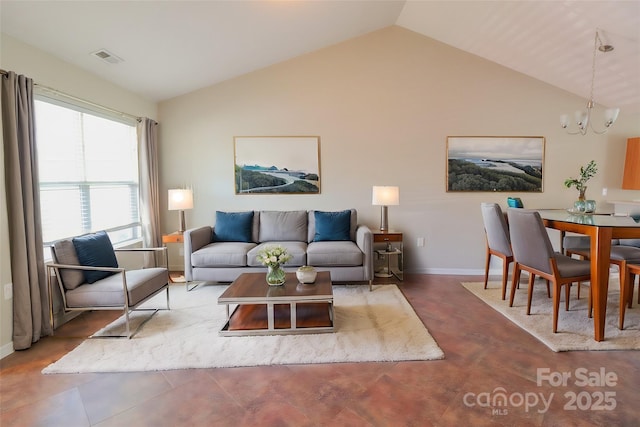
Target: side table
[175, 237]
[388, 244]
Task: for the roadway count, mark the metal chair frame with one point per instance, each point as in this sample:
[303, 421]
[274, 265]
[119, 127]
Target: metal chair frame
[53, 270]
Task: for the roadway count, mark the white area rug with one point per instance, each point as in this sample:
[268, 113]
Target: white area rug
[575, 328]
[370, 326]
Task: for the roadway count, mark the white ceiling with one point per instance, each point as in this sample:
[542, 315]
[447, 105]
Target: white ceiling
[175, 47]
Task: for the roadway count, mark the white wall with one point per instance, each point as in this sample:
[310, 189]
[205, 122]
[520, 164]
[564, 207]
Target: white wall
[46, 70]
[383, 105]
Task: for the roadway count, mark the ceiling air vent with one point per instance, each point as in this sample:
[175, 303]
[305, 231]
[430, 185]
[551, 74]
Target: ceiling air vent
[107, 56]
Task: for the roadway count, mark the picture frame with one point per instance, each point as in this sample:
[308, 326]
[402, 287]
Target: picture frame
[277, 164]
[495, 163]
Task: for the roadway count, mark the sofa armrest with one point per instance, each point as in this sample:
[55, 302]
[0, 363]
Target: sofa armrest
[85, 267]
[364, 240]
[194, 239]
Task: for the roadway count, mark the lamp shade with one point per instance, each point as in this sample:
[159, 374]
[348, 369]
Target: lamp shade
[385, 195]
[180, 199]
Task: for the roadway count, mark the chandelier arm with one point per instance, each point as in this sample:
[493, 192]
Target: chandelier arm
[585, 122]
[598, 132]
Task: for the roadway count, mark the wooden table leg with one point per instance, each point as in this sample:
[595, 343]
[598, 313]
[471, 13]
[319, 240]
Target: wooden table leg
[600, 260]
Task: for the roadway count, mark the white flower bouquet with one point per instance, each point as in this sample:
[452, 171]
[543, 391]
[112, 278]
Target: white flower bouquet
[273, 256]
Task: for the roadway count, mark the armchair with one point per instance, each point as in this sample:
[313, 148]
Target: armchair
[89, 278]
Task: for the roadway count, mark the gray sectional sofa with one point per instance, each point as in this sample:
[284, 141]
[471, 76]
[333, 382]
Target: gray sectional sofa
[329, 241]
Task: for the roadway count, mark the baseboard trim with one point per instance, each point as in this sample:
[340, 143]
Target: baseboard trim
[6, 350]
[471, 271]
[451, 271]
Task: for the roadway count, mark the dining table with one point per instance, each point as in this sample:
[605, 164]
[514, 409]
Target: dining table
[600, 228]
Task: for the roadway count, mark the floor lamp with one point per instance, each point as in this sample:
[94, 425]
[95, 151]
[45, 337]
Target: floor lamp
[179, 200]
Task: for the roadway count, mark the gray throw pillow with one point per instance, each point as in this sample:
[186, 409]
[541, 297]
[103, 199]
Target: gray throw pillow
[281, 226]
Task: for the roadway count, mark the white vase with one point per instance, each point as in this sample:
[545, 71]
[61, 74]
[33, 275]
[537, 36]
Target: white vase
[306, 274]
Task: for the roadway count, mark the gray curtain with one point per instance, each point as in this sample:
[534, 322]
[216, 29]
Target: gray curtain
[30, 294]
[149, 188]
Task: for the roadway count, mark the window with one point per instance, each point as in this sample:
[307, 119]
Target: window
[88, 166]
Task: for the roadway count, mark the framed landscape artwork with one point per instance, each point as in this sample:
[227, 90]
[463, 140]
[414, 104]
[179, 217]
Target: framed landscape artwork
[277, 164]
[490, 163]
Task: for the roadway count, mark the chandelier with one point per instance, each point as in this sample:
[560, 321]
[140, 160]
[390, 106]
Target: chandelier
[583, 118]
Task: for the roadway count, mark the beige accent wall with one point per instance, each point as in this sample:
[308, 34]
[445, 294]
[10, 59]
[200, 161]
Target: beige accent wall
[49, 71]
[383, 105]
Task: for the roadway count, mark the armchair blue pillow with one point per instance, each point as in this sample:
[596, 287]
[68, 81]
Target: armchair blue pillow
[95, 250]
[332, 225]
[233, 227]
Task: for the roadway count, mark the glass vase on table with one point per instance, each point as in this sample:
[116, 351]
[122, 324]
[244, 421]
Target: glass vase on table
[275, 275]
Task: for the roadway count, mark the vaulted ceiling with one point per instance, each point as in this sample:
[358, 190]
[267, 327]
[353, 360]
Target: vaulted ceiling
[170, 48]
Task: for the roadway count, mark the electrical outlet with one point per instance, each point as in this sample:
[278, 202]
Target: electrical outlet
[604, 191]
[8, 291]
[420, 241]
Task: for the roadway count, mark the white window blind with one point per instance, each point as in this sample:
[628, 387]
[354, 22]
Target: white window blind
[88, 166]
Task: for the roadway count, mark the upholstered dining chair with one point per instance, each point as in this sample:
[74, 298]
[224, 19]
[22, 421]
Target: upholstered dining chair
[497, 241]
[631, 268]
[624, 254]
[533, 253]
[634, 270]
[89, 278]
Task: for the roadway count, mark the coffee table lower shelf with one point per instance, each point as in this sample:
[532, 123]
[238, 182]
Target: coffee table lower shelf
[255, 319]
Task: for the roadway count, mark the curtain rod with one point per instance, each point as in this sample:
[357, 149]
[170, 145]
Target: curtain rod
[75, 98]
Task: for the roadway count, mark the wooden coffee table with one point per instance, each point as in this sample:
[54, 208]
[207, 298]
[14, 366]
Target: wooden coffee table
[292, 308]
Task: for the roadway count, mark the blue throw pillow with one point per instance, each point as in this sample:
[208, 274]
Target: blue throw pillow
[233, 227]
[332, 225]
[95, 250]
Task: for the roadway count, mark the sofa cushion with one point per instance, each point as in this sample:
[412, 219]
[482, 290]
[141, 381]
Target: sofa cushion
[352, 228]
[95, 250]
[281, 226]
[108, 292]
[222, 254]
[297, 250]
[332, 226]
[65, 253]
[233, 226]
[334, 254]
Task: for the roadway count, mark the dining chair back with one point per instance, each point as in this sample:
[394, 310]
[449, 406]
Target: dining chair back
[534, 253]
[498, 242]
